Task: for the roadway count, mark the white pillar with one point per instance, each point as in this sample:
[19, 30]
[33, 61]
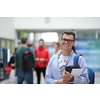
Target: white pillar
[37, 37]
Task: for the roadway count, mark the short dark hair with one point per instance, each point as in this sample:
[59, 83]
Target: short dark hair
[69, 33]
[41, 40]
[23, 40]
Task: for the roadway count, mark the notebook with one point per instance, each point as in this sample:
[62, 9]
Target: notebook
[76, 72]
[69, 68]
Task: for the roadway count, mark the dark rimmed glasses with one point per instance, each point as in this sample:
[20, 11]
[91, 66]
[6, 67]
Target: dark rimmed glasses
[68, 40]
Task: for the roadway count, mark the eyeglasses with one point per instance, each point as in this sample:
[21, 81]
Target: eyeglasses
[68, 40]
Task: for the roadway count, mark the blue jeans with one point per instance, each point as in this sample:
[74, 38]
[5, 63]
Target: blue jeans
[27, 75]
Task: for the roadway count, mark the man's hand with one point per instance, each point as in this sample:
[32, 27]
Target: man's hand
[12, 65]
[66, 76]
[60, 81]
[41, 59]
[37, 59]
[63, 82]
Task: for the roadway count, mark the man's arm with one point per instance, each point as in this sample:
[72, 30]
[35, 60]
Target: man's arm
[48, 77]
[83, 78]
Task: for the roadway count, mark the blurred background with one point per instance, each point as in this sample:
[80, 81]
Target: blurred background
[87, 30]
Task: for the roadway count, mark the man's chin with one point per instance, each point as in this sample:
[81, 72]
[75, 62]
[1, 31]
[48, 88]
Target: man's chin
[66, 49]
[41, 46]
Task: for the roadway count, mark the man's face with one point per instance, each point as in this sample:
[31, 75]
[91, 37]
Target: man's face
[41, 44]
[67, 42]
[55, 46]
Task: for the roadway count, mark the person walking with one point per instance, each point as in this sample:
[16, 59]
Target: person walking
[56, 73]
[42, 58]
[22, 74]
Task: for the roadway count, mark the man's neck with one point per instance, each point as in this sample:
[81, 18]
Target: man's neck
[66, 52]
[41, 47]
[24, 45]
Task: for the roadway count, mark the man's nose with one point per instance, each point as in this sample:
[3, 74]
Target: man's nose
[66, 41]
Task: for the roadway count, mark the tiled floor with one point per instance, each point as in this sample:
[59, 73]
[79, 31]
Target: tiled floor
[97, 79]
[7, 81]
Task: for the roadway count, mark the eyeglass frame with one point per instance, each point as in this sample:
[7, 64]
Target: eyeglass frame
[68, 40]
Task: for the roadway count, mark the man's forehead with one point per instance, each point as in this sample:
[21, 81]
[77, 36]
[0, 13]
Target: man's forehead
[68, 36]
[41, 41]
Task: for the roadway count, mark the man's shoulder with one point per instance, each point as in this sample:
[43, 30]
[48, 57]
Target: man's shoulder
[54, 57]
[21, 49]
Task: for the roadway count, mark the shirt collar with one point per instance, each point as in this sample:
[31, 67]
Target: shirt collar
[70, 54]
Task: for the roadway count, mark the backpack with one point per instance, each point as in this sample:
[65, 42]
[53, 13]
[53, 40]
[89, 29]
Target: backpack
[27, 60]
[91, 73]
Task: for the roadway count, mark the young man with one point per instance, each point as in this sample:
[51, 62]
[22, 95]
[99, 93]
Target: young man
[55, 72]
[21, 73]
[42, 58]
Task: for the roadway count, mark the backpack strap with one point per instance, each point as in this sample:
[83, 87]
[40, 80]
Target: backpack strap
[76, 59]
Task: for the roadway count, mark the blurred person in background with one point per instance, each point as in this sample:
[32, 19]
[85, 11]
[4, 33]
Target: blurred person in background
[12, 59]
[42, 58]
[51, 49]
[55, 71]
[11, 63]
[56, 45]
[21, 73]
[30, 45]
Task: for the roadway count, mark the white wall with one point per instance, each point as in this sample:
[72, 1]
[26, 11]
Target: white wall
[7, 28]
[57, 23]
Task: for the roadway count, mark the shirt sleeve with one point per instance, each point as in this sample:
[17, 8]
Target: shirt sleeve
[48, 77]
[83, 78]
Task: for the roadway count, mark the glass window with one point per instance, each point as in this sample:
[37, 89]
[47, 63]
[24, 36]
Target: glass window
[12, 46]
[3, 43]
[86, 34]
[8, 43]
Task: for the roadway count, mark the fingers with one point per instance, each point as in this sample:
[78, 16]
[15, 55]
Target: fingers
[65, 72]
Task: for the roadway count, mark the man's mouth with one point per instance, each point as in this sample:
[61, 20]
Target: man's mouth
[66, 45]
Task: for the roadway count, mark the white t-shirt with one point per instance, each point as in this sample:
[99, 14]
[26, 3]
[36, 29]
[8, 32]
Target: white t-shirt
[62, 62]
